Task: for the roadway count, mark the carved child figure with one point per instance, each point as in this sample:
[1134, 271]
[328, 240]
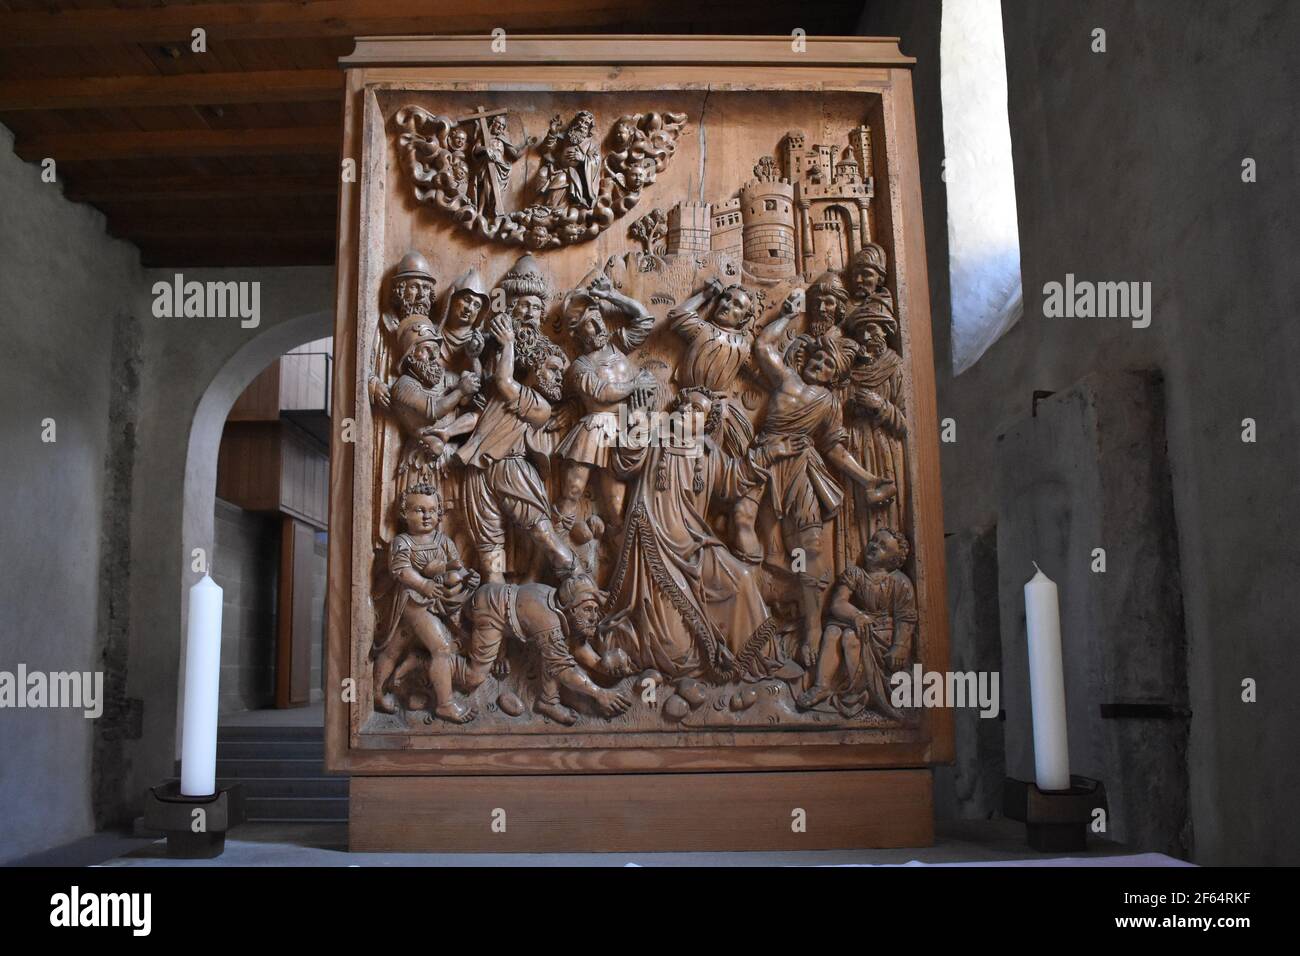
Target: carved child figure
[870, 627]
[560, 623]
[431, 584]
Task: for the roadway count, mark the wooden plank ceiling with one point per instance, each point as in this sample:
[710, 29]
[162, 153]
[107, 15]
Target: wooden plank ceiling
[230, 157]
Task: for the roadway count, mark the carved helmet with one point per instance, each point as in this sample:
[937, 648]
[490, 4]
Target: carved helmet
[413, 333]
[525, 278]
[871, 254]
[576, 588]
[414, 266]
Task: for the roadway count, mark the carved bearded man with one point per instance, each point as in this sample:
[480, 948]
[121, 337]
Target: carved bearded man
[430, 404]
[570, 171]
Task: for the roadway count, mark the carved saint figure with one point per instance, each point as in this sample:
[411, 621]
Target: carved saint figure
[870, 627]
[430, 584]
[875, 415]
[502, 482]
[569, 176]
[493, 156]
[602, 378]
[800, 490]
[560, 625]
[682, 603]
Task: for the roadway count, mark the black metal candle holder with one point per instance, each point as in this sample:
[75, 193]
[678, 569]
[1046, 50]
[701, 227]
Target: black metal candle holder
[1056, 821]
[169, 811]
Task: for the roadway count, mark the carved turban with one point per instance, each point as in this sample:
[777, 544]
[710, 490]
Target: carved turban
[525, 278]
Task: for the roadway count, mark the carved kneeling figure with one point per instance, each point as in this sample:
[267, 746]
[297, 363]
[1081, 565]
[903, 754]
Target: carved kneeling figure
[560, 624]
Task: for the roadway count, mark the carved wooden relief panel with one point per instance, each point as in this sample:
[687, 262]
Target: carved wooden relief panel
[636, 453]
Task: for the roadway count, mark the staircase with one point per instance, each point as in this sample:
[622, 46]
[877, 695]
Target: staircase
[282, 772]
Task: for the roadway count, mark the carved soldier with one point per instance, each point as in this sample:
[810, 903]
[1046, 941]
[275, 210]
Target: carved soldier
[602, 378]
[503, 484]
[800, 490]
[411, 292]
[870, 628]
[569, 176]
[874, 413]
[430, 403]
[430, 584]
[561, 625]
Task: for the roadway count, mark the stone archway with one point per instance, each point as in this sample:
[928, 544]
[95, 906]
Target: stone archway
[173, 507]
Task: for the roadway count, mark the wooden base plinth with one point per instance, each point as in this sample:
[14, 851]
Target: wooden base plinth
[843, 809]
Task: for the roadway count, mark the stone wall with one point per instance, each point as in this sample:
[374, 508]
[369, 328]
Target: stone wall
[1128, 167]
[71, 299]
[246, 563]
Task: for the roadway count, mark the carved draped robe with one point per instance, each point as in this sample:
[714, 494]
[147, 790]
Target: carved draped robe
[681, 602]
[876, 440]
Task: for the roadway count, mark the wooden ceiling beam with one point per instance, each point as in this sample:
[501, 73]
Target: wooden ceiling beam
[350, 18]
[135, 144]
[216, 221]
[182, 188]
[186, 89]
[204, 253]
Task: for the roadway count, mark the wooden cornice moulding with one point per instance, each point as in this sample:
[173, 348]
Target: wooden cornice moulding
[627, 51]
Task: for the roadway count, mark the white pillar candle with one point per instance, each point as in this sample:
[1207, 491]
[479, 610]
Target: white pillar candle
[1046, 683]
[202, 677]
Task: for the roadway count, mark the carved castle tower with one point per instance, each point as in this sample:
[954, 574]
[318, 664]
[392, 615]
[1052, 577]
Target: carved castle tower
[690, 228]
[767, 211]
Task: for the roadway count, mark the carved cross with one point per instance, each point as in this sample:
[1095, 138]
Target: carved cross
[481, 114]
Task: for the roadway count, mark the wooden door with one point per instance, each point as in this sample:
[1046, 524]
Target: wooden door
[293, 618]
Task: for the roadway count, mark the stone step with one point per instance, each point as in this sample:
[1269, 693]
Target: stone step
[271, 748]
[243, 768]
[237, 732]
[285, 809]
[336, 787]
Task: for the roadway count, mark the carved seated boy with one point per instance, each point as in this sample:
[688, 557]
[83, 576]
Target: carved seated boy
[431, 584]
[870, 626]
[560, 624]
